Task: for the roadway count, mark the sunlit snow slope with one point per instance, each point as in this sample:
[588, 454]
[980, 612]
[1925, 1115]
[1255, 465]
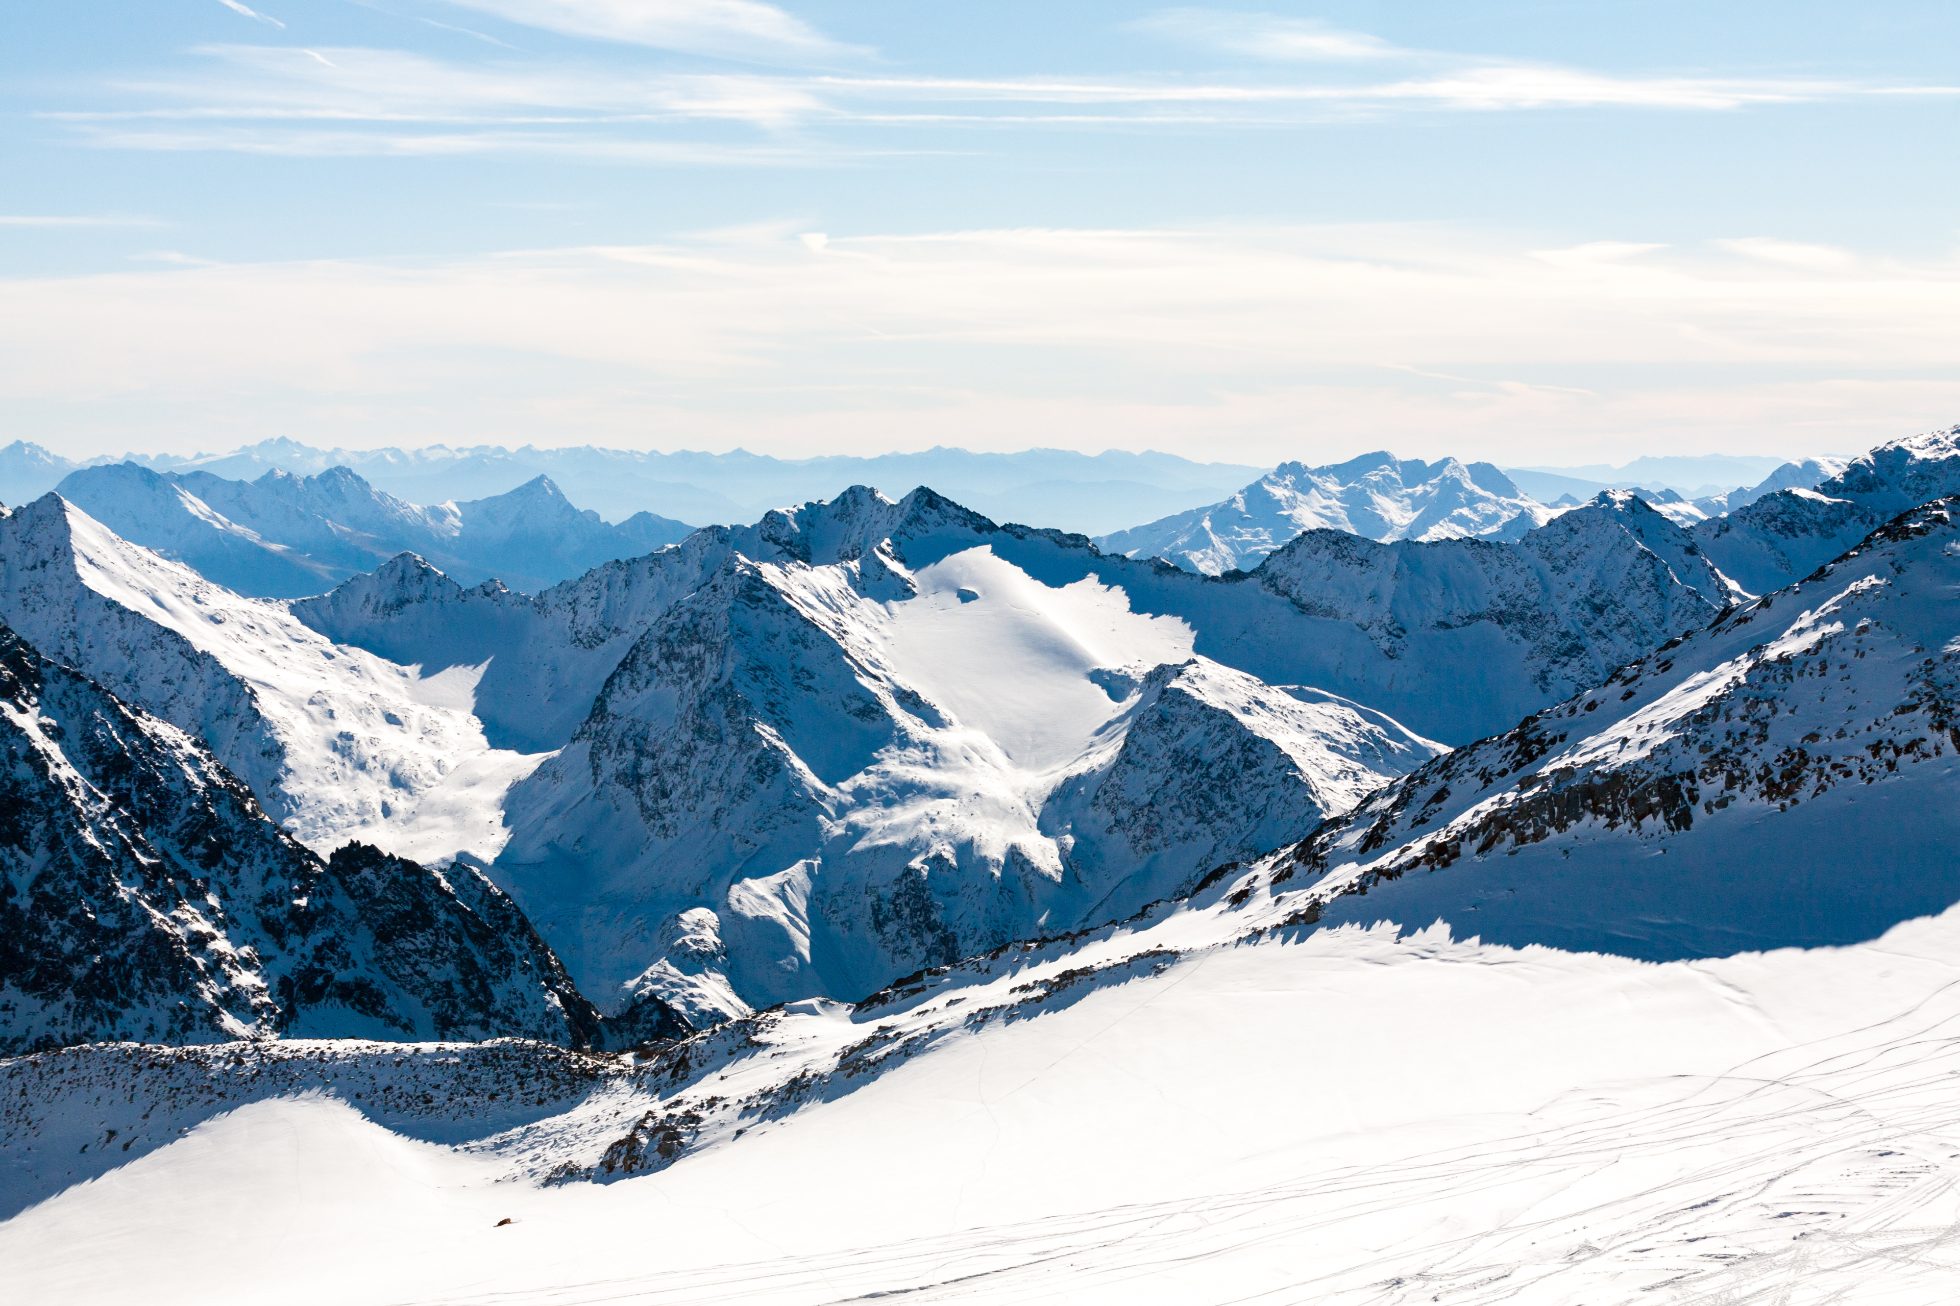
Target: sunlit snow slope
[888, 746]
[336, 742]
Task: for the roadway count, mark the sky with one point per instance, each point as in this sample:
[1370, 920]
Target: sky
[1535, 231]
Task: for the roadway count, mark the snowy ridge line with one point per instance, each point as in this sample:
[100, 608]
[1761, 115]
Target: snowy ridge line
[1376, 496]
[286, 536]
[145, 894]
[1709, 728]
[902, 736]
[338, 743]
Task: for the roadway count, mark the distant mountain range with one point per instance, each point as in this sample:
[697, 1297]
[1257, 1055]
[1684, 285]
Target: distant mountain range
[1377, 496]
[1384, 498]
[1692, 476]
[1098, 494]
[284, 536]
[1049, 487]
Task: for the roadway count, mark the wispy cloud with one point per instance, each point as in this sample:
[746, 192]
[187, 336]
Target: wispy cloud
[1268, 36]
[1790, 253]
[354, 84]
[317, 143]
[247, 11]
[59, 220]
[350, 101]
[738, 29]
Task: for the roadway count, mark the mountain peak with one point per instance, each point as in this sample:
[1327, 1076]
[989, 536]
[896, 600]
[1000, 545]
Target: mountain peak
[1819, 696]
[21, 453]
[856, 522]
[1376, 495]
[539, 487]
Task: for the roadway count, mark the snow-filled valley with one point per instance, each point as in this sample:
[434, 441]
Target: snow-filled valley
[877, 900]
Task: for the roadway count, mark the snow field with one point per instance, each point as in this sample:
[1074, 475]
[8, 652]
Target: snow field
[1352, 1118]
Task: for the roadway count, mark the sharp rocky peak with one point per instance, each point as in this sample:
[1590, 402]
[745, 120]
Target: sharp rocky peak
[855, 523]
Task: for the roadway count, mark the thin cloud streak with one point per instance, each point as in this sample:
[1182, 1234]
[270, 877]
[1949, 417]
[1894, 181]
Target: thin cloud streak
[738, 29]
[1269, 37]
[246, 11]
[52, 221]
[394, 91]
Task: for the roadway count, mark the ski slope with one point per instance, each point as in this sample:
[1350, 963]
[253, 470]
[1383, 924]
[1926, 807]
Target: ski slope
[1355, 1117]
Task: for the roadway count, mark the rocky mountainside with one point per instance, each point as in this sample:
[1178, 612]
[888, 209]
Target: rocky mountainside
[144, 895]
[1377, 496]
[1378, 634]
[1459, 637]
[869, 734]
[283, 536]
[1785, 776]
[892, 747]
[1782, 777]
[338, 744]
[1785, 534]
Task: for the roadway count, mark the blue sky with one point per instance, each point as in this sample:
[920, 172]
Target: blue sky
[1545, 232]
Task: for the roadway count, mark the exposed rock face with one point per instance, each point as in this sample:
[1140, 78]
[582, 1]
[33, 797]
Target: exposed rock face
[145, 895]
[337, 743]
[888, 746]
[1832, 705]
[1462, 637]
[548, 654]
[1377, 496]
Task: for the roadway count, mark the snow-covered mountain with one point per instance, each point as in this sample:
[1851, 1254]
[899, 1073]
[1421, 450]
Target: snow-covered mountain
[1804, 474]
[1632, 1053]
[539, 659]
[869, 734]
[27, 471]
[889, 747]
[1060, 487]
[337, 743]
[1378, 496]
[1679, 1030]
[1786, 776]
[283, 536]
[1459, 637]
[145, 895]
[1785, 534]
[1455, 638]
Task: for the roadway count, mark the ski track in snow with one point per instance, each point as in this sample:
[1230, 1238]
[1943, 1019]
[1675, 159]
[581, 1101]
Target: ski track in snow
[1361, 1120]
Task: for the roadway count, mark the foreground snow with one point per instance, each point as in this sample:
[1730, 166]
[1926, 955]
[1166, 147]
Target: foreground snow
[1351, 1118]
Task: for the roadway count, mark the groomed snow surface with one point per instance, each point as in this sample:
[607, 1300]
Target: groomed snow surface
[1350, 1118]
